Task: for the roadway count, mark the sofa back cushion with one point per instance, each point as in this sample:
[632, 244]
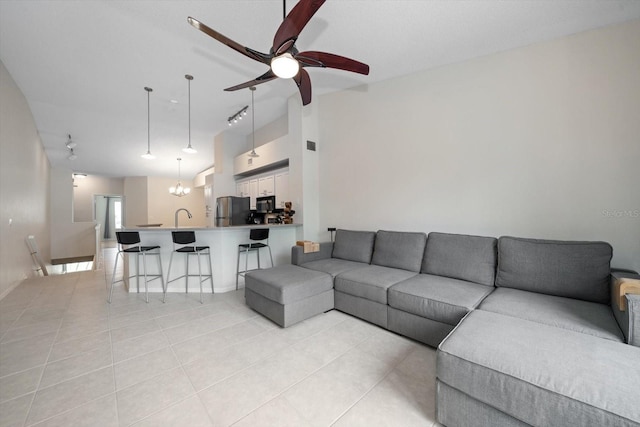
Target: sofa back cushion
[579, 270]
[397, 249]
[354, 245]
[470, 258]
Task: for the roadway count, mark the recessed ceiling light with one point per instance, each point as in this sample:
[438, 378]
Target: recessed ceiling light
[173, 101]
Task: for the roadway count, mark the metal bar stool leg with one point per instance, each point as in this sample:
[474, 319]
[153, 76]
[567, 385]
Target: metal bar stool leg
[146, 282]
[168, 277]
[258, 257]
[199, 275]
[211, 272]
[270, 256]
[164, 289]
[137, 273]
[186, 277]
[238, 268]
[113, 277]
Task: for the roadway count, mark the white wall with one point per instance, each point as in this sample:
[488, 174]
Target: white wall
[163, 205]
[69, 239]
[541, 141]
[85, 188]
[24, 186]
[135, 201]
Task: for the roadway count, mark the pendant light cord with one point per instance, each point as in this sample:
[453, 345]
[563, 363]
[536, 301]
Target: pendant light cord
[148, 121]
[253, 119]
[189, 111]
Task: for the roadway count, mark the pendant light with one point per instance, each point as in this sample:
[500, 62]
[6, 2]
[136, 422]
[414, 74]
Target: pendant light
[189, 149]
[179, 190]
[148, 154]
[253, 124]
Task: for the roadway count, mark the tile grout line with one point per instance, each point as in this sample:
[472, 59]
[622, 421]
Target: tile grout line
[307, 376]
[35, 393]
[393, 368]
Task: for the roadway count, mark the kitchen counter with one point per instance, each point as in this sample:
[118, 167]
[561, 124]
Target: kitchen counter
[223, 243]
[233, 227]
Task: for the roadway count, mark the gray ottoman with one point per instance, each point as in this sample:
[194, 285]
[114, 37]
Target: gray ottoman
[288, 294]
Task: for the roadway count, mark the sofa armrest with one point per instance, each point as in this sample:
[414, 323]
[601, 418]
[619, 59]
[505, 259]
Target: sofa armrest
[625, 304]
[299, 257]
[633, 313]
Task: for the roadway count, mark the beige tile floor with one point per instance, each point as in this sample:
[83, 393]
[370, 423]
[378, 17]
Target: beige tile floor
[67, 358]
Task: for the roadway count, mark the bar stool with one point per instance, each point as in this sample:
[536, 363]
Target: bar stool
[256, 236]
[183, 243]
[128, 238]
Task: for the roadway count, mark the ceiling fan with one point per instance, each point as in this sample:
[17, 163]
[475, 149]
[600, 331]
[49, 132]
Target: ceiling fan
[284, 59]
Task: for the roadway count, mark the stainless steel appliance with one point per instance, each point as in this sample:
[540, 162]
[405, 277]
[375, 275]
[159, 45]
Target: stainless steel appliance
[231, 210]
[265, 204]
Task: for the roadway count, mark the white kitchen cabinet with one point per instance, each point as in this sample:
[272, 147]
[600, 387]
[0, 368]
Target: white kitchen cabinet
[242, 189]
[266, 186]
[253, 192]
[282, 189]
[239, 189]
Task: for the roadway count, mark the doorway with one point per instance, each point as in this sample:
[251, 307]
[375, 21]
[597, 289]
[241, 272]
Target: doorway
[109, 213]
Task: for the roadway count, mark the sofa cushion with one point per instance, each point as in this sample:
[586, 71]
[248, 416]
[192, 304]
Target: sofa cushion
[437, 298]
[397, 249]
[370, 282]
[333, 266]
[552, 376]
[471, 258]
[568, 313]
[354, 245]
[568, 269]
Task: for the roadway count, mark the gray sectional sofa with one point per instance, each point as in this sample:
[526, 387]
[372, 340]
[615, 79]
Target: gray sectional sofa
[527, 330]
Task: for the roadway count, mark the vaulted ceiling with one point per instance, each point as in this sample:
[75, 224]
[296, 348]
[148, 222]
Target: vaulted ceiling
[83, 65]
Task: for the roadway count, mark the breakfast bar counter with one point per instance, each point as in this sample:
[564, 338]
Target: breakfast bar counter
[223, 243]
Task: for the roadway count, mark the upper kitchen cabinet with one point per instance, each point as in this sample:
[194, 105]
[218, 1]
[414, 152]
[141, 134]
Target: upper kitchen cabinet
[282, 189]
[266, 186]
[242, 189]
[253, 192]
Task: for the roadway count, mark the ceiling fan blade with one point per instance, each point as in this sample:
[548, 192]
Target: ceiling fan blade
[293, 24]
[329, 60]
[253, 54]
[303, 81]
[268, 76]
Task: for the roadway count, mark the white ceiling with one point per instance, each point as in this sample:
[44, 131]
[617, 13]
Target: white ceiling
[83, 65]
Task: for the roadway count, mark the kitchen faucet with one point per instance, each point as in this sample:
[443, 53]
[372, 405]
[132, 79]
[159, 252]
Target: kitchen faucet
[176, 218]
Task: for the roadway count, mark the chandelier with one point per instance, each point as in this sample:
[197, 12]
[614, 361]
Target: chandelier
[179, 190]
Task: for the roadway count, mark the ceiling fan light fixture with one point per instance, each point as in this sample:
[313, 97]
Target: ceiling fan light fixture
[73, 155]
[285, 66]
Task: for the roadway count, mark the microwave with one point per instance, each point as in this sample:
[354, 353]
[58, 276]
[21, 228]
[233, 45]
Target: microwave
[265, 204]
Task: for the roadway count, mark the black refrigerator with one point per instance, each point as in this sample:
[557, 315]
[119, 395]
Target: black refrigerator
[231, 210]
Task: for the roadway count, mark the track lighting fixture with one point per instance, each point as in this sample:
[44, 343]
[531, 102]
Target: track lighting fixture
[70, 144]
[237, 116]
